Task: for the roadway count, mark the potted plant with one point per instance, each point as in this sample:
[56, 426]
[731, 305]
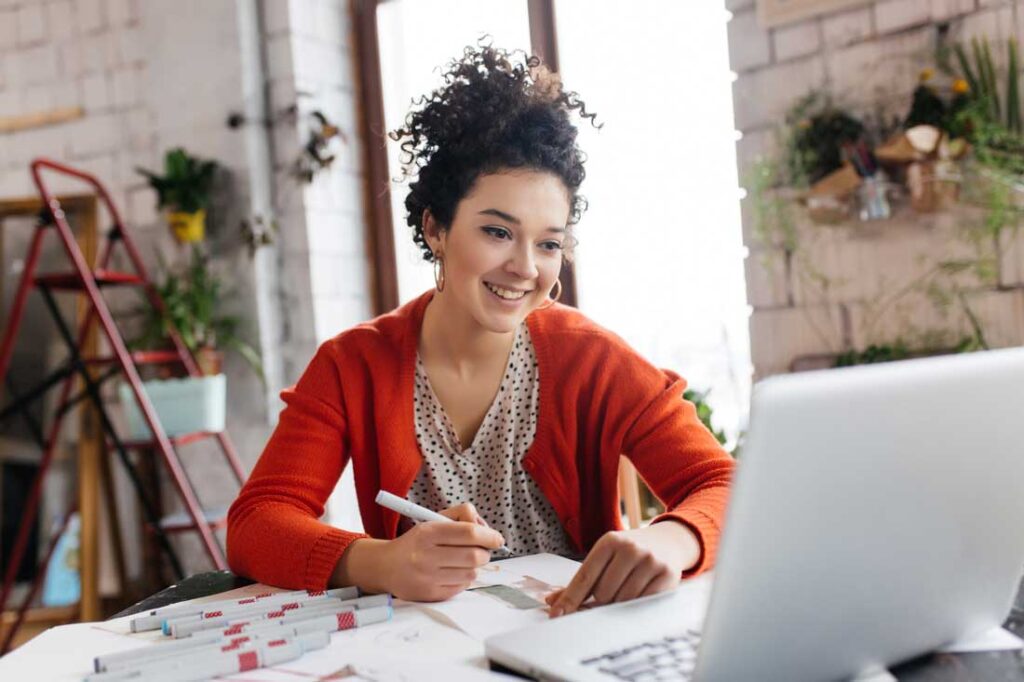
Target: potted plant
[184, 192]
[191, 299]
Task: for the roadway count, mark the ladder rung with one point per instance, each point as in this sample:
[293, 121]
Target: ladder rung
[181, 439]
[181, 521]
[72, 280]
[140, 357]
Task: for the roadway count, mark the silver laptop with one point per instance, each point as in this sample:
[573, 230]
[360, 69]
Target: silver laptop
[877, 514]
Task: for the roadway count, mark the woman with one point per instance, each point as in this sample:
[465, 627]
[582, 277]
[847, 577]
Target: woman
[484, 391]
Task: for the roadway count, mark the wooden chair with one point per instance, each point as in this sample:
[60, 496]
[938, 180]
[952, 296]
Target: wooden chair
[629, 492]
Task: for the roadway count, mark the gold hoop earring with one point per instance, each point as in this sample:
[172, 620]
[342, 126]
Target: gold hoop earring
[439, 275]
[551, 301]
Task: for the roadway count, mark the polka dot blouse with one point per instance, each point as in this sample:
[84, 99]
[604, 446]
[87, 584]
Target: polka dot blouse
[489, 473]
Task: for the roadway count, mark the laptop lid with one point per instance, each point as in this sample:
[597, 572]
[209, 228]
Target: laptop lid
[877, 514]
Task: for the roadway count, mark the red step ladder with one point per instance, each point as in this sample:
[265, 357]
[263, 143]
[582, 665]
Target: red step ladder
[87, 281]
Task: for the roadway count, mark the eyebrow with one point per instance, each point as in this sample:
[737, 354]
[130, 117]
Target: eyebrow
[512, 219]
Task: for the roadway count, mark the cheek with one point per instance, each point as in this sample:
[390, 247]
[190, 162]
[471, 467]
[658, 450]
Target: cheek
[549, 269]
[467, 264]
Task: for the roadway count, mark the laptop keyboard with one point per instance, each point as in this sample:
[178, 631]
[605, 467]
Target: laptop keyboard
[668, 658]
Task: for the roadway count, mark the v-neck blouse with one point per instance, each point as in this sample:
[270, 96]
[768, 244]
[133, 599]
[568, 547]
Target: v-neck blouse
[489, 472]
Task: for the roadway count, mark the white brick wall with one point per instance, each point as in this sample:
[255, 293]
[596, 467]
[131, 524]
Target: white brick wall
[761, 97]
[896, 15]
[884, 70]
[870, 57]
[767, 276]
[787, 333]
[797, 40]
[843, 29]
[1011, 265]
[749, 44]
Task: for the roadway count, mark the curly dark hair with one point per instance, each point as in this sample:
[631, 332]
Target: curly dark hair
[496, 110]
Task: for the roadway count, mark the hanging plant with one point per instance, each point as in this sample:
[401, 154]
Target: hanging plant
[184, 192]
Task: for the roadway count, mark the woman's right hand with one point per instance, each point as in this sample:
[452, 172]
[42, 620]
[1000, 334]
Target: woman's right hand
[432, 561]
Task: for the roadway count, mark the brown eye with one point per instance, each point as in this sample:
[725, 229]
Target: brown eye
[498, 232]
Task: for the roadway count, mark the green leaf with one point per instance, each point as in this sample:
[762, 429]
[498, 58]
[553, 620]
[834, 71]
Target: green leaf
[186, 183]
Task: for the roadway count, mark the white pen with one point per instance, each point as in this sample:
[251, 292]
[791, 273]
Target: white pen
[415, 511]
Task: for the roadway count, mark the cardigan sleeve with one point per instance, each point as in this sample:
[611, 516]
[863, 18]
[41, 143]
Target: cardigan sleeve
[682, 462]
[274, 533]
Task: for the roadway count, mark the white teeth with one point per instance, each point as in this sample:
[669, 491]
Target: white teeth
[506, 294]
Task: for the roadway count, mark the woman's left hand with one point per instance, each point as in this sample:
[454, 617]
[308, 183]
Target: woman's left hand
[627, 564]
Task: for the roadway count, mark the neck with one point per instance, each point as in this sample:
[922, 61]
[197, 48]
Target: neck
[452, 337]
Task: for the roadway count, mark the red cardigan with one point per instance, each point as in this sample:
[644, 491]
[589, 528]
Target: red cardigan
[598, 399]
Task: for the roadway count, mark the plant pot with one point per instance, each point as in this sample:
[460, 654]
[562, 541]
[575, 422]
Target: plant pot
[183, 405]
[188, 227]
[210, 361]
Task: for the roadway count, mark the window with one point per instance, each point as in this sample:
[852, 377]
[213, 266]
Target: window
[660, 255]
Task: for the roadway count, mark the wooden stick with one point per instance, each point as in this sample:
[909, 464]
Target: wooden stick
[11, 124]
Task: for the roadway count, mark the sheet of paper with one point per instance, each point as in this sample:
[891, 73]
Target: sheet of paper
[401, 650]
[547, 568]
[996, 639]
[63, 653]
[481, 615]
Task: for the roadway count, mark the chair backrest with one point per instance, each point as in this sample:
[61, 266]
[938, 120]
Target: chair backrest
[629, 492]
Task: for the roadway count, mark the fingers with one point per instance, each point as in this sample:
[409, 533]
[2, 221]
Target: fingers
[623, 565]
[456, 577]
[553, 595]
[464, 534]
[582, 584]
[464, 512]
[643, 575]
[463, 557]
[434, 593]
[614, 576]
[661, 583]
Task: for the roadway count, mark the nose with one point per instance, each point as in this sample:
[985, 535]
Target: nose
[523, 264]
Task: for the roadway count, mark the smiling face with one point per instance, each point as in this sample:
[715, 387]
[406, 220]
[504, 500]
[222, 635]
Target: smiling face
[503, 250]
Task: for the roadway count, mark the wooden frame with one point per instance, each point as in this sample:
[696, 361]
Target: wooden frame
[90, 449]
[379, 221]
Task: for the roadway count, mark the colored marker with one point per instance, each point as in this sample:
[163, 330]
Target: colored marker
[416, 512]
[245, 610]
[367, 616]
[180, 629]
[153, 619]
[119, 660]
[238, 636]
[258, 654]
